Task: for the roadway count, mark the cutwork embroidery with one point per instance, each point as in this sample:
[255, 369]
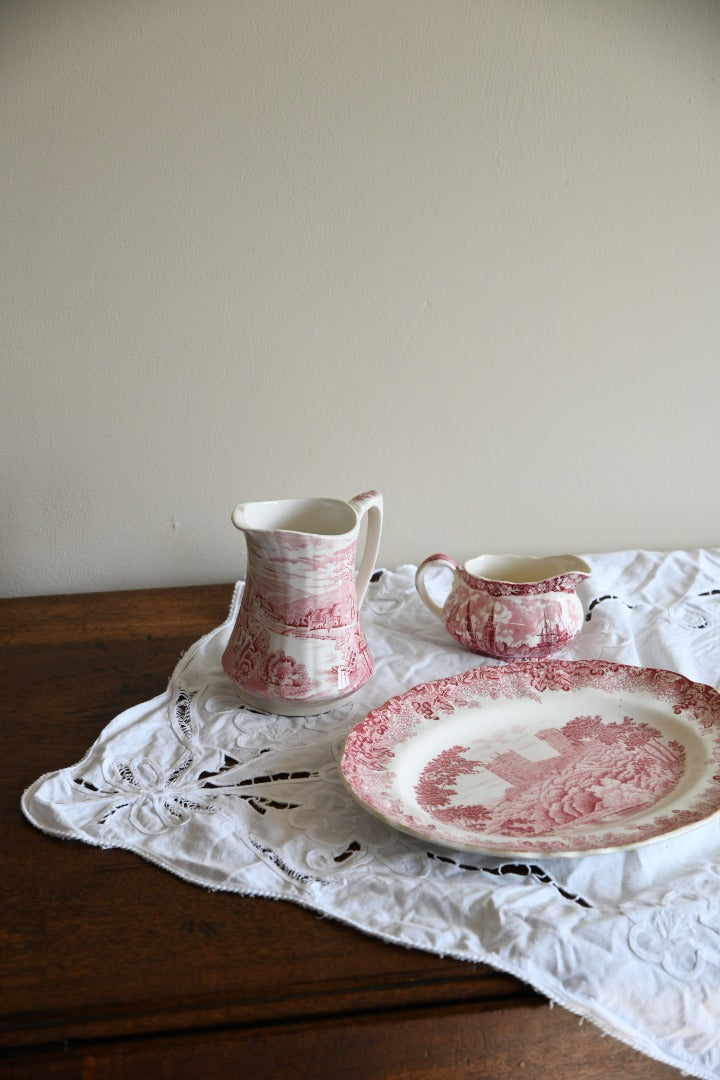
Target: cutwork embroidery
[272, 859]
[601, 599]
[683, 613]
[155, 801]
[521, 869]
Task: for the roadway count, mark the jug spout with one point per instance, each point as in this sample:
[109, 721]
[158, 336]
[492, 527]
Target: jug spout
[320, 517]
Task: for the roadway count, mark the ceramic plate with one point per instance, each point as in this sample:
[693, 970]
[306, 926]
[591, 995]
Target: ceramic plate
[551, 758]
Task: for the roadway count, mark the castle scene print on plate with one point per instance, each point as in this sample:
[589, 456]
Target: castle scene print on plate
[550, 758]
[596, 771]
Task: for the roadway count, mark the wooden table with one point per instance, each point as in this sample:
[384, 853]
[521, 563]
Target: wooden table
[113, 968]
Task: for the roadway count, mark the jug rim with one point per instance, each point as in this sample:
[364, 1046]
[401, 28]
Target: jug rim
[296, 516]
[525, 569]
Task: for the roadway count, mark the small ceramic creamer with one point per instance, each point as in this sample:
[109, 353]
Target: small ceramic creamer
[511, 607]
[298, 646]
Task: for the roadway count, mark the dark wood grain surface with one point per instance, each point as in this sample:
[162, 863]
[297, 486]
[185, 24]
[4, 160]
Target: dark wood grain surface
[111, 967]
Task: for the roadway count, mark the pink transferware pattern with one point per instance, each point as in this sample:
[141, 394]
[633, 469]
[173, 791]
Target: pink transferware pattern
[509, 606]
[298, 646]
[551, 758]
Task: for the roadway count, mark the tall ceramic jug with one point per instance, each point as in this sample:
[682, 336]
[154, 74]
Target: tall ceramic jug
[298, 645]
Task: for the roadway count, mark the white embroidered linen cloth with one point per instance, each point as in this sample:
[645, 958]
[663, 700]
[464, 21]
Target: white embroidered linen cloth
[232, 799]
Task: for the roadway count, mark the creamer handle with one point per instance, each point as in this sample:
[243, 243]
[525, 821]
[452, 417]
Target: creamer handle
[432, 560]
[370, 503]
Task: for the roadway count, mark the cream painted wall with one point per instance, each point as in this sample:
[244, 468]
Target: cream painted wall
[464, 252]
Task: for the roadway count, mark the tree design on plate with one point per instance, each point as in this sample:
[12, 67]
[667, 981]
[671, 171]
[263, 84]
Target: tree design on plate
[598, 771]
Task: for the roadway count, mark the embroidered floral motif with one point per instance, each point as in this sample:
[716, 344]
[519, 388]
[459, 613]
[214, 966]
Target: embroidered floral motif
[155, 800]
[154, 794]
[679, 935]
[328, 817]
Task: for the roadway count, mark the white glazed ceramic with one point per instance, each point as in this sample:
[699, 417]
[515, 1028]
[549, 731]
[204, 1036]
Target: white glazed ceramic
[550, 758]
[511, 607]
[298, 646]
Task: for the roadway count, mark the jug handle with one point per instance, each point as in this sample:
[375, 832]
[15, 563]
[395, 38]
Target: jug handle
[370, 503]
[438, 560]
